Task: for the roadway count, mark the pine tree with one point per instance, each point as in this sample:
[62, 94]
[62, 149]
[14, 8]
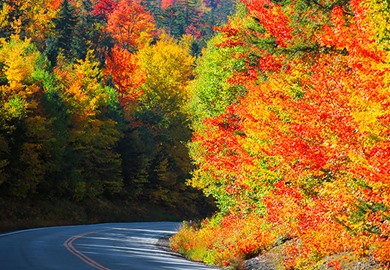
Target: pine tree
[65, 23]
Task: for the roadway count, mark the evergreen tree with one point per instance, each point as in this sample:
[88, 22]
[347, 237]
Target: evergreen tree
[86, 35]
[65, 24]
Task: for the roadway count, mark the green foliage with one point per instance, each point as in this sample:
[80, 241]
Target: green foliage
[14, 109]
[191, 17]
[87, 32]
[65, 23]
[211, 91]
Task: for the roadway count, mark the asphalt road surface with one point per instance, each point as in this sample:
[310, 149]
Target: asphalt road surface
[113, 246]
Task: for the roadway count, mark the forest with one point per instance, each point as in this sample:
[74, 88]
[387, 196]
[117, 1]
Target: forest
[273, 115]
[93, 118]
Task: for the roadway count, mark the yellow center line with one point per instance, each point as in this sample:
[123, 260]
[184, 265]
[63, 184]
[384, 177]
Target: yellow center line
[69, 246]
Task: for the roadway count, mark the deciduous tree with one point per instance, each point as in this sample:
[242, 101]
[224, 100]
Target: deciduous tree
[130, 24]
[92, 135]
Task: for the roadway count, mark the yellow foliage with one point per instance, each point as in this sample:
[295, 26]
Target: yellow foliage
[18, 66]
[234, 238]
[82, 87]
[168, 66]
[379, 15]
[4, 13]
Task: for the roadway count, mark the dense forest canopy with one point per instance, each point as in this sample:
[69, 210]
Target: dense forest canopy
[92, 97]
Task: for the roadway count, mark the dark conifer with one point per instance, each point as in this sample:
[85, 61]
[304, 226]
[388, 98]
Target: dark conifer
[65, 23]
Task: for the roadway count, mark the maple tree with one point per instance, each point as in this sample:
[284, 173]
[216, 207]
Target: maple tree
[103, 8]
[125, 71]
[130, 24]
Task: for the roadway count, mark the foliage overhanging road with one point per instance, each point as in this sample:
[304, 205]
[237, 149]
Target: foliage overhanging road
[101, 246]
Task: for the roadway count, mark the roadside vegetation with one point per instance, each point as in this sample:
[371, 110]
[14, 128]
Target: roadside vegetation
[291, 118]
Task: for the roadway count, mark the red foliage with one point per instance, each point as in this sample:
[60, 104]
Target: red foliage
[192, 30]
[167, 3]
[310, 140]
[130, 23]
[104, 8]
[273, 19]
[55, 4]
[123, 67]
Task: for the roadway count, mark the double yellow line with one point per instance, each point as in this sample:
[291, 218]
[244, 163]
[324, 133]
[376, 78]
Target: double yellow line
[69, 246]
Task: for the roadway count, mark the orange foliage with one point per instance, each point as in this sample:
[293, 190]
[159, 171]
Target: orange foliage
[125, 71]
[308, 146]
[234, 238]
[130, 24]
[104, 7]
[55, 4]
[167, 3]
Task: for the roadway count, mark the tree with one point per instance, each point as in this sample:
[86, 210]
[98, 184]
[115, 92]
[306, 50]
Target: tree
[103, 8]
[23, 129]
[92, 137]
[33, 18]
[130, 24]
[159, 125]
[124, 70]
[180, 16]
[168, 67]
[87, 32]
[65, 23]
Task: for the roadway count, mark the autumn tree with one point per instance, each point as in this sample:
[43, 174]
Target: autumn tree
[130, 24]
[168, 68]
[31, 19]
[160, 126]
[124, 69]
[23, 127]
[92, 135]
[103, 8]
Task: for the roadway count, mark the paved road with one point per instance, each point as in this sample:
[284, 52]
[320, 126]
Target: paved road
[130, 246]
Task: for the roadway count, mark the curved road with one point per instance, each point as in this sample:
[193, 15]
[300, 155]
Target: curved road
[130, 246]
